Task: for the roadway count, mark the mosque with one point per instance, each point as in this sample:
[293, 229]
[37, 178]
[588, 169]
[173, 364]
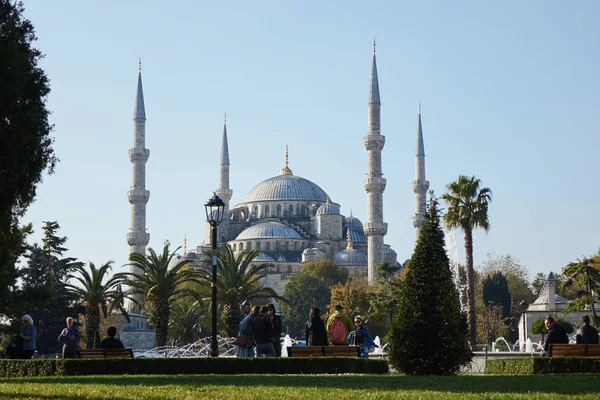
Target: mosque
[289, 219]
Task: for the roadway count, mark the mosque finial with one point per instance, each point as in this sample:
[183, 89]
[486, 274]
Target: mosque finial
[224, 117]
[350, 213]
[328, 202]
[286, 170]
[139, 64]
[184, 245]
[374, 46]
[349, 240]
[419, 107]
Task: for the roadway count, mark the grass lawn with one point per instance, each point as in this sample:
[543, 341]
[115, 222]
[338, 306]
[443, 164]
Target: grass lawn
[328, 387]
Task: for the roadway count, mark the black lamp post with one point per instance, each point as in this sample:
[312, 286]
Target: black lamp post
[524, 306]
[215, 208]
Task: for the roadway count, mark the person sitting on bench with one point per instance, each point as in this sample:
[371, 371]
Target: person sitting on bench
[111, 342]
[556, 334]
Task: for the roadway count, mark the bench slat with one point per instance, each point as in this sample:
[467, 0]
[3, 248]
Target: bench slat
[105, 353]
[324, 351]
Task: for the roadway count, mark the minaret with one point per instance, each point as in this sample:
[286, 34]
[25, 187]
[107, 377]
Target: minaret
[375, 228]
[138, 238]
[223, 191]
[420, 185]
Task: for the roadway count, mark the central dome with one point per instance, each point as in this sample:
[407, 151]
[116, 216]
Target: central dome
[286, 187]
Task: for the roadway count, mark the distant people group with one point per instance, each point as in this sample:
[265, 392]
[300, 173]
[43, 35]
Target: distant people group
[260, 332]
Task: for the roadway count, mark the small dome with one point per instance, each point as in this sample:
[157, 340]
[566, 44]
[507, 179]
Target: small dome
[352, 221]
[390, 251]
[328, 209]
[266, 230]
[350, 258]
[262, 257]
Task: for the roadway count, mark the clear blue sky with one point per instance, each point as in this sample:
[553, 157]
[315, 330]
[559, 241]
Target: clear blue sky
[509, 93]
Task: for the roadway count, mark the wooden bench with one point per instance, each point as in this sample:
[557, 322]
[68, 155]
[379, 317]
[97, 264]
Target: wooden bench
[104, 353]
[324, 351]
[575, 350]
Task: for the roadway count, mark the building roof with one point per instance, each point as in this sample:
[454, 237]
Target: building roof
[350, 258]
[286, 187]
[328, 209]
[266, 230]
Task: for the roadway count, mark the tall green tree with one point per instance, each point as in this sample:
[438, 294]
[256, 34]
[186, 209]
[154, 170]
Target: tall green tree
[98, 294]
[160, 286]
[302, 291]
[468, 209]
[429, 333]
[44, 294]
[238, 280]
[584, 270]
[25, 142]
[495, 291]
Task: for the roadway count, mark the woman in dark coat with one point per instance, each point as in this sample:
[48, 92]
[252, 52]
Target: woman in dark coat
[316, 335]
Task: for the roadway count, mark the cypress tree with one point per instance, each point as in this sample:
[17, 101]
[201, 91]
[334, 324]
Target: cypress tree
[495, 291]
[429, 333]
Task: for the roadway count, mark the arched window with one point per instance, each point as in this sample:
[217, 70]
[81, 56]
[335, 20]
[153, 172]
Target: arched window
[291, 209]
[279, 210]
[248, 245]
[257, 245]
[277, 269]
[303, 210]
[234, 247]
[268, 246]
[289, 268]
[266, 213]
[276, 245]
[255, 213]
[285, 245]
[241, 246]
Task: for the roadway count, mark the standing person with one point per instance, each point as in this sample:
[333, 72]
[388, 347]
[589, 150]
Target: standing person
[589, 334]
[263, 334]
[276, 322]
[339, 326]
[556, 334]
[111, 342]
[246, 332]
[361, 337]
[28, 333]
[71, 338]
[316, 335]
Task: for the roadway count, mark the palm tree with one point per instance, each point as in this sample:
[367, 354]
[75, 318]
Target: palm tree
[160, 286]
[591, 276]
[238, 281]
[97, 297]
[184, 324]
[468, 209]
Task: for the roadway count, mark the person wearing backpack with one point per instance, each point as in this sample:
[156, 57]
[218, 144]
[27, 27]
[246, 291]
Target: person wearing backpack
[339, 326]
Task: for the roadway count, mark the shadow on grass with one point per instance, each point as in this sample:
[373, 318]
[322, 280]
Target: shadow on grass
[6, 395]
[550, 384]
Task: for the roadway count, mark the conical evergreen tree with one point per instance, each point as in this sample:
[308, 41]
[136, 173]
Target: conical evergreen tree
[429, 333]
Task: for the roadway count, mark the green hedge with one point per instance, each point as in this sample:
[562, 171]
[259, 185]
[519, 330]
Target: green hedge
[543, 365]
[205, 365]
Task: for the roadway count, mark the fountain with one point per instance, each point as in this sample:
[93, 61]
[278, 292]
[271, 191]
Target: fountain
[287, 342]
[496, 341]
[528, 346]
[379, 349]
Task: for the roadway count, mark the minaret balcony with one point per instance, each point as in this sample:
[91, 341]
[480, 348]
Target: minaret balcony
[420, 186]
[374, 142]
[375, 185]
[139, 154]
[224, 194]
[375, 228]
[138, 238]
[138, 196]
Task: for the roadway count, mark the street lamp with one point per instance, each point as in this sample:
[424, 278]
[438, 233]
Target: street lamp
[215, 208]
[523, 304]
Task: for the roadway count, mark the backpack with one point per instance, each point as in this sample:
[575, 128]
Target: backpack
[337, 331]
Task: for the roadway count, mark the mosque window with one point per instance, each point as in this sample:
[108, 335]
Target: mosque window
[291, 209]
[241, 246]
[255, 213]
[303, 210]
[268, 246]
[266, 213]
[277, 246]
[249, 246]
[279, 210]
[285, 245]
[234, 247]
[257, 245]
[289, 268]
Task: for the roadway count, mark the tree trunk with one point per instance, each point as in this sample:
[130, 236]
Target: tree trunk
[232, 319]
[92, 326]
[160, 311]
[470, 287]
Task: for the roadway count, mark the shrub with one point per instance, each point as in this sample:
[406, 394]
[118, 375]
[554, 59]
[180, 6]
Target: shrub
[429, 333]
[543, 365]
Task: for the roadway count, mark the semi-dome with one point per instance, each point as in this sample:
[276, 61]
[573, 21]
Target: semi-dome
[286, 187]
[268, 230]
[328, 209]
[262, 257]
[352, 221]
[350, 258]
